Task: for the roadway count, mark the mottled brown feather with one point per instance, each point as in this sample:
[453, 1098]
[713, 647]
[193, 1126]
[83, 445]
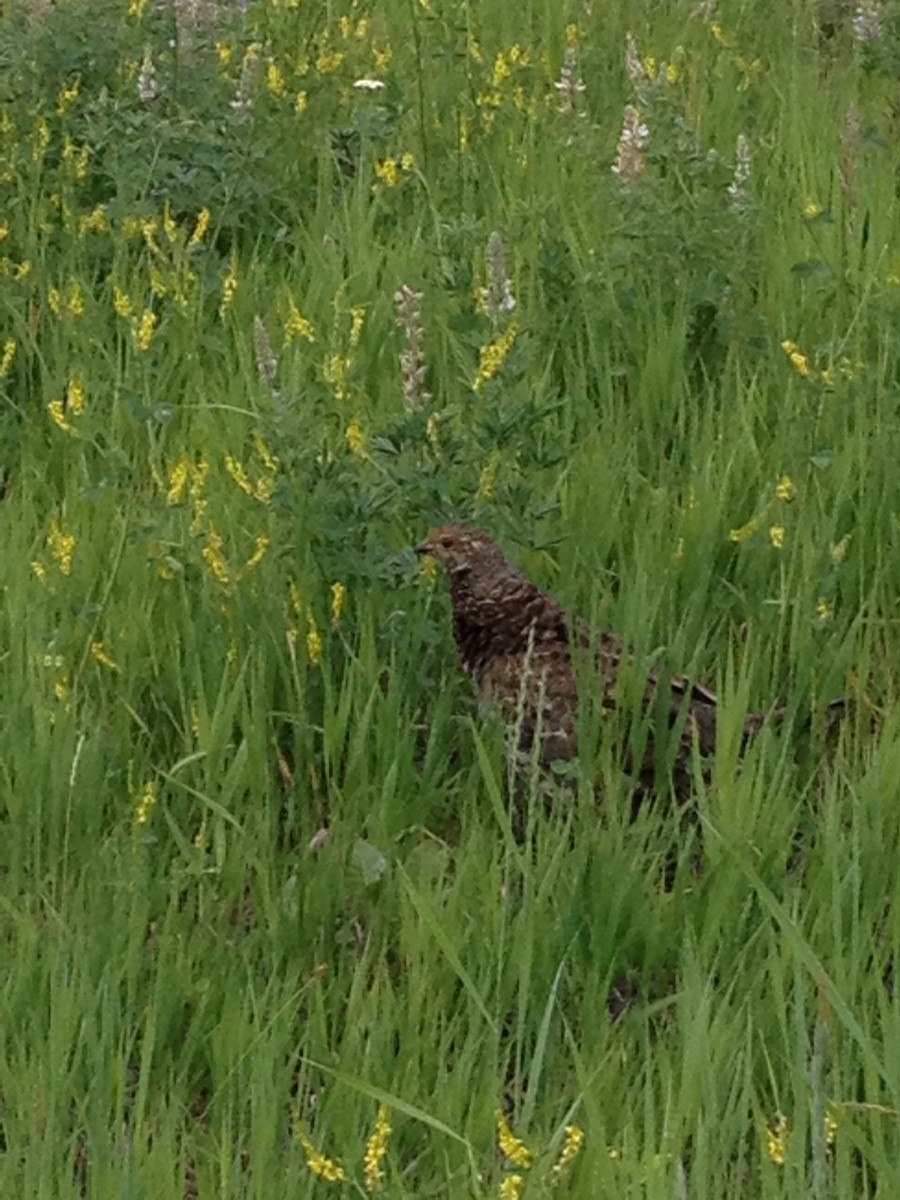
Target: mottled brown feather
[516, 642]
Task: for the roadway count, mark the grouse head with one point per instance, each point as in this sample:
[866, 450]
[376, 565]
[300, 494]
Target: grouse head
[461, 548]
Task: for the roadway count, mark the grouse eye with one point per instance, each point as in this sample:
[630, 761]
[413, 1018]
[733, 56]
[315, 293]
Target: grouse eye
[446, 541]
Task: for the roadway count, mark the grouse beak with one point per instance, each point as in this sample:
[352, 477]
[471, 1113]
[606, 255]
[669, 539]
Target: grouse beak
[423, 548]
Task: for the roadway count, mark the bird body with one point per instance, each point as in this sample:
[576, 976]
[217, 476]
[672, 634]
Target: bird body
[523, 650]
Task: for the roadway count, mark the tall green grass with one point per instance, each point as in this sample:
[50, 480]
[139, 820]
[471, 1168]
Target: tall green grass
[217, 643]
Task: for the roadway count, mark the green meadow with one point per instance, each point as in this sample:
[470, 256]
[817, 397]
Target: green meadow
[282, 286]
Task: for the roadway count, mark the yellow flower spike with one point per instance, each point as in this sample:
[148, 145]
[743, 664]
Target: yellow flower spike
[178, 478]
[144, 329]
[839, 549]
[75, 299]
[329, 62]
[313, 641]
[259, 553]
[824, 611]
[145, 804]
[101, 655]
[275, 81]
[296, 598]
[357, 321]
[784, 489]
[238, 474]
[487, 480]
[62, 546]
[224, 53]
[381, 59]
[322, 1167]
[744, 532]
[830, 1129]
[433, 432]
[776, 536]
[494, 355]
[57, 412]
[387, 171]
[229, 288]
[356, 439]
[338, 602]
[511, 1187]
[777, 1139]
[511, 1147]
[720, 34]
[298, 326]
[812, 209]
[269, 459]
[214, 557]
[301, 101]
[376, 1149]
[201, 228]
[571, 1148]
[122, 303]
[407, 161]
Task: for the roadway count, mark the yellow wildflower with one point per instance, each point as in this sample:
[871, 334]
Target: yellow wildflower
[224, 53]
[54, 300]
[204, 219]
[75, 395]
[327, 63]
[136, 7]
[300, 102]
[812, 209]
[776, 536]
[408, 161]
[823, 610]
[494, 355]
[335, 372]
[433, 432]
[313, 641]
[8, 357]
[298, 326]
[721, 36]
[271, 462]
[178, 478]
[275, 81]
[511, 1187]
[338, 602]
[238, 474]
[381, 59]
[502, 70]
[199, 472]
[487, 480]
[346, 27]
[296, 598]
[101, 655]
[776, 1140]
[62, 546]
[387, 170]
[651, 67]
[784, 489]
[144, 329]
[570, 1148]
[357, 320]
[158, 285]
[573, 36]
[75, 299]
[830, 1129]
[511, 1147]
[39, 570]
[259, 552]
[428, 568]
[122, 303]
[57, 412]
[229, 288]
[798, 359]
[376, 1148]
[96, 221]
[828, 376]
[746, 531]
[324, 1168]
[356, 439]
[41, 138]
[67, 96]
[145, 804]
[4, 230]
[214, 558]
